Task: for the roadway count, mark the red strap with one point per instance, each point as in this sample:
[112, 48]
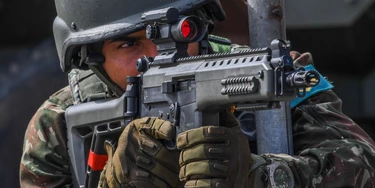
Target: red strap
[96, 161]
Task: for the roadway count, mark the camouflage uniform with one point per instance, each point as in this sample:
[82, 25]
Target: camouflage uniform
[330, 149]
[45, 159]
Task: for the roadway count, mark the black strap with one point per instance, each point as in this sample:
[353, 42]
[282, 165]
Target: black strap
[100, 72]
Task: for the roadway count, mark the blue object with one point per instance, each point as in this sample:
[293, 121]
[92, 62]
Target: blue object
[323, 85]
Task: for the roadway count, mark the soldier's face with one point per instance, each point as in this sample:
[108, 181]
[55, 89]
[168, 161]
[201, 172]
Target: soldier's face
[122, 54]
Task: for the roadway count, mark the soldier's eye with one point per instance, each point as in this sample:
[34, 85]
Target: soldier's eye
[128, 44]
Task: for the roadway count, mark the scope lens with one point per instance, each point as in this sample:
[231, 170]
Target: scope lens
[188, 29]
[185, 28]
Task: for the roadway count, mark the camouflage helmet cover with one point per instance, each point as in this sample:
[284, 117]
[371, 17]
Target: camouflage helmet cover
[80, 22]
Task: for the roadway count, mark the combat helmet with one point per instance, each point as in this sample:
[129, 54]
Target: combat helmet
[82, 22]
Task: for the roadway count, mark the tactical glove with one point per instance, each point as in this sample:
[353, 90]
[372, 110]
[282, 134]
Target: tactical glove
[214, 156]
[140, 159]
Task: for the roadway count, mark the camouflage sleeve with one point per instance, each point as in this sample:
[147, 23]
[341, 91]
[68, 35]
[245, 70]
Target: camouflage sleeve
[330, 149]
[45, 160]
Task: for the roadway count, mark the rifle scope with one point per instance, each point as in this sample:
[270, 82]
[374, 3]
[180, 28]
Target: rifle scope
[168, 24]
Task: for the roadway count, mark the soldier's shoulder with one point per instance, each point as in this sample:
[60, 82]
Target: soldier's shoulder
[59, 101]
[50, 116]
[45, 153]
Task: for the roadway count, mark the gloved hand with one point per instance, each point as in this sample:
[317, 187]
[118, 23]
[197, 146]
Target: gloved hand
[214, 156]
[140, 159]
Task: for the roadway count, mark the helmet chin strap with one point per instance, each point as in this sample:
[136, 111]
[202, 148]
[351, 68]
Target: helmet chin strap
[100, 72]
[94, 61]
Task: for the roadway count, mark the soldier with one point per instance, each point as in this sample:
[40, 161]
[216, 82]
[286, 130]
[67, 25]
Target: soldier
[99, 43]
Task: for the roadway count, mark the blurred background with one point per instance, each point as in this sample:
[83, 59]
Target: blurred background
[339, 33]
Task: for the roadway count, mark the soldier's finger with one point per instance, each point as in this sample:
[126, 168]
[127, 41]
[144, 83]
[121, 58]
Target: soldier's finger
[141, 178]
[294, 54]
[156, 149]
[303, 60]
[201, 135]
[207, 183]
[158, 170]
[204, 169]
[155, 127]
[204, 152]
[230, 119]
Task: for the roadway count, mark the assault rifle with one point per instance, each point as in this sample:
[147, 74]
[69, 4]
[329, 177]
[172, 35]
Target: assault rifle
[188, 91]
